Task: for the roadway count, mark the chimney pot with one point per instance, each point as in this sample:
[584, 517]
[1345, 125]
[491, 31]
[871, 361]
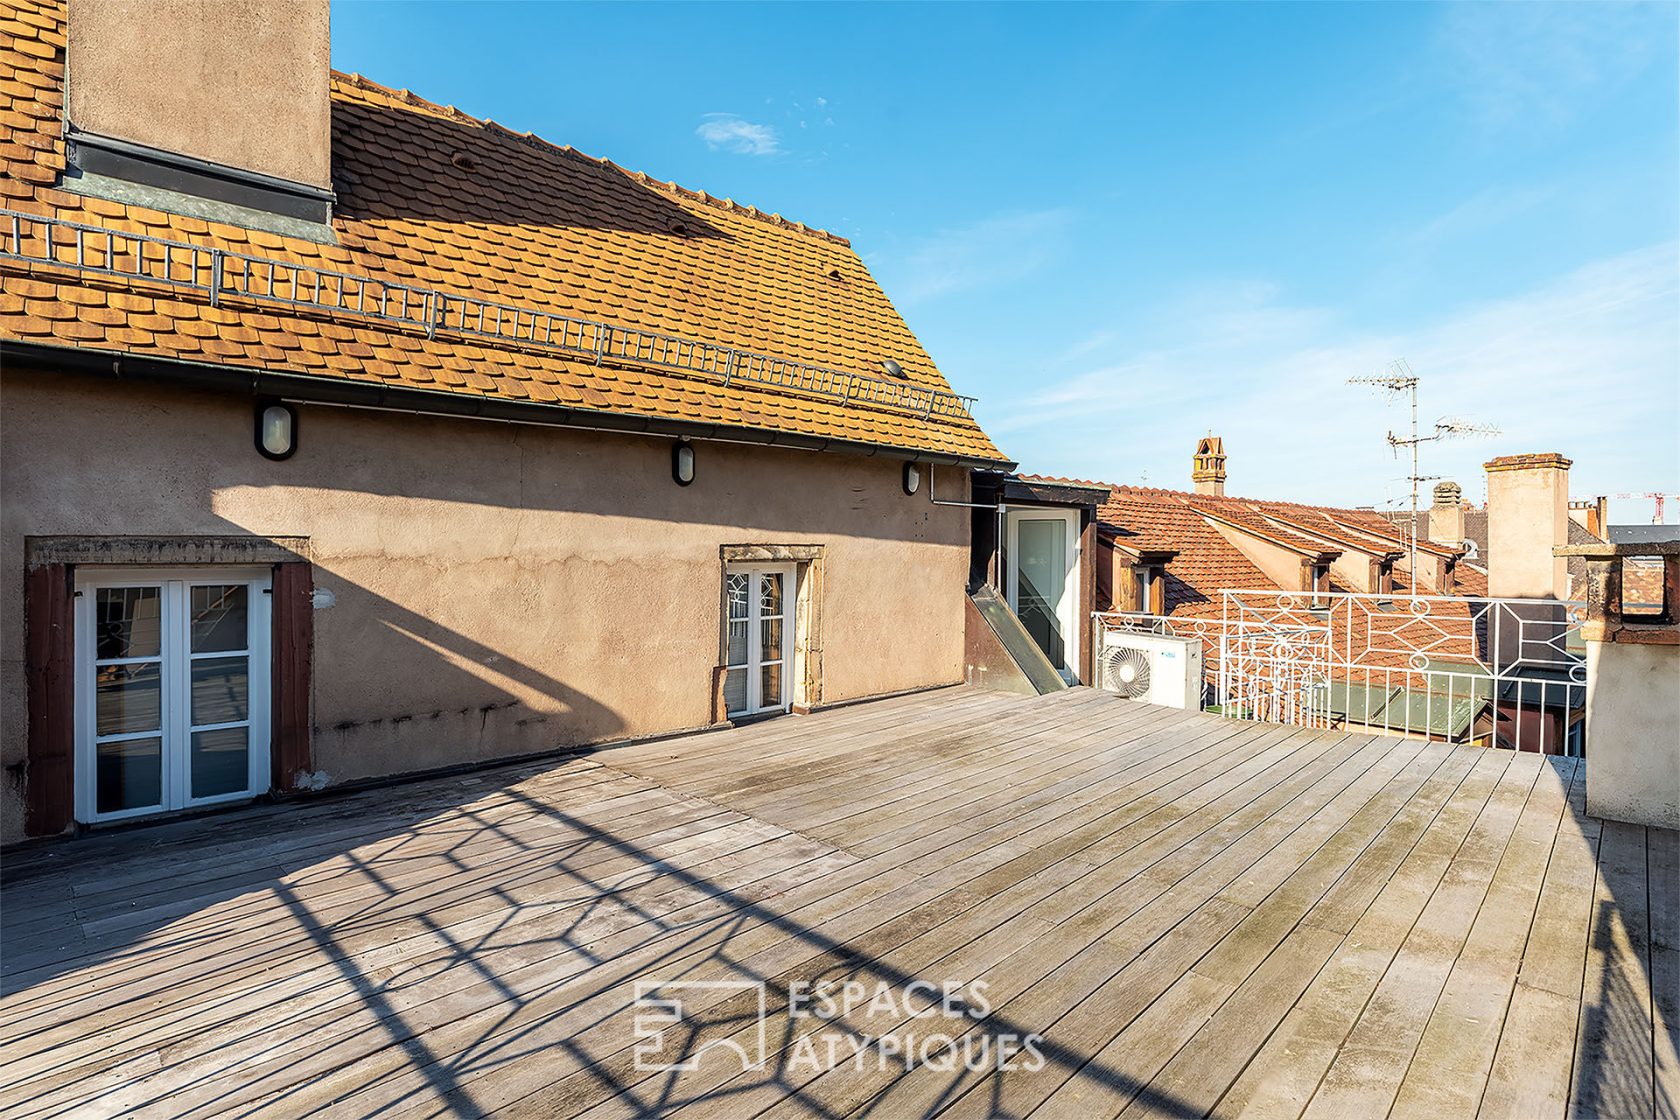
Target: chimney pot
[1446, 517]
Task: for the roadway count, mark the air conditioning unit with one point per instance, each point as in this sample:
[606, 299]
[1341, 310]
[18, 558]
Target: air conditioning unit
[1152, 667]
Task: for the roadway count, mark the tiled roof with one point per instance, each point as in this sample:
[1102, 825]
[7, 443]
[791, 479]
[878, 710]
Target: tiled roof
[428, 196]
[1207, 563]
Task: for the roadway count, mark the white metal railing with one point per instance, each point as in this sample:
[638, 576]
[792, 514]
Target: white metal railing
[1257, 669]
[1491, 672]
[218, 275]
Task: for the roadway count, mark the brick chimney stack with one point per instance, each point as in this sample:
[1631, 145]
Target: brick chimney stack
[1446, 516]
[1208, 467]
[1528, 516]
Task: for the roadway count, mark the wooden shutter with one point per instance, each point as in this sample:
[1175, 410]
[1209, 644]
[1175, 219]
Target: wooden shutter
[51, 680]
[294, 637]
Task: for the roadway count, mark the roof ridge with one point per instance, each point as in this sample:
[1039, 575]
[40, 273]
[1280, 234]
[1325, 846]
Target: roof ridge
[531, 139]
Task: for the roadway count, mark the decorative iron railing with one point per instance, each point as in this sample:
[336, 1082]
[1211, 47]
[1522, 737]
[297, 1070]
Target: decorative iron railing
[1259, 670]
[1491, 672]
[219, 276]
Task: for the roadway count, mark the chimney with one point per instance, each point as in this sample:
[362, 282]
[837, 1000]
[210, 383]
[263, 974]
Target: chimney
[207, 107]
[1208, 466]
[1528, 516]
[1593, 516]
[1446, 516]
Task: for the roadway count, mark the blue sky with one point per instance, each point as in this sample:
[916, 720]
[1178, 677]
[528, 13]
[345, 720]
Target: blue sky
[1124, 225]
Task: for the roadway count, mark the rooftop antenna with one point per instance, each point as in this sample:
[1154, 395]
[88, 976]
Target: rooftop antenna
[1396, 381]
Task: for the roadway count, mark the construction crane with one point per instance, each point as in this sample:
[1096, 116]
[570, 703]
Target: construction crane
[1657, 518]
[1397, 380]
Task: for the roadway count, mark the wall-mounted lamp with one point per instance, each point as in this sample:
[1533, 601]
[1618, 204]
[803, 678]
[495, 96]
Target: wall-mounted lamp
[682, 463]
[912, 477]
[277, 427]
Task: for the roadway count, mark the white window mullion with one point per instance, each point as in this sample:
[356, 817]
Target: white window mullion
[755, 648]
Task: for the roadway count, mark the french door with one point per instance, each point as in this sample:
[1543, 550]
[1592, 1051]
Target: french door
[1043, 580]
[758, 638]
[172, 683]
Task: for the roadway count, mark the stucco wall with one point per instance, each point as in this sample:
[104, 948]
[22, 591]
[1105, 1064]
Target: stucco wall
[1633, 732]
[500, 589]
[1528, 516]
[237, 82]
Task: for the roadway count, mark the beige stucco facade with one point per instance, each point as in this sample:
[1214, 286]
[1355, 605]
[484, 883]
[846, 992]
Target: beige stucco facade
[1528, 516]
[246, 89]
[1633, 720]
[499, 590]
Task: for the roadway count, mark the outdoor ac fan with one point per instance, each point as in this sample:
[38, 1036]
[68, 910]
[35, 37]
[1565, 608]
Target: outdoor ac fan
[1126, 672]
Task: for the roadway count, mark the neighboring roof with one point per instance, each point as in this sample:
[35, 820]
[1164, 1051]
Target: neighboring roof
[1144, 519]
[1639, 534]
[430, 197]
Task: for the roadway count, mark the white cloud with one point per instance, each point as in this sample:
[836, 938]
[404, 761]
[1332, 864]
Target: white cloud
[729, 133]
[1516, 61]
[992, 251]
[1587, 364]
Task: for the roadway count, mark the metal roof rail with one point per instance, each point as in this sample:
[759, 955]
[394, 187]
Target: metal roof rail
[220, 274]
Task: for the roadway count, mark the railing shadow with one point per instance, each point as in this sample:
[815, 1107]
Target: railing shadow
[528, 1000]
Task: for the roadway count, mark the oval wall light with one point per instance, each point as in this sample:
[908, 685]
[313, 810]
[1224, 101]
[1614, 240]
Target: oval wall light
[682, 463]
[276, 429]
[912, 477]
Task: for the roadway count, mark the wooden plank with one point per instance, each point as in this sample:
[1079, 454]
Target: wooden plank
[493, 994]
[1198, 913]
[1663, 851]
[1288, 1069]
[1533, 1062]
[1366, 1074]
[1613, 1068]
[1450, 1069]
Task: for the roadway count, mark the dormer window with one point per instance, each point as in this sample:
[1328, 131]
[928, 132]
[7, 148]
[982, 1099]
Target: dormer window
[1150, 598]
[1318, 585]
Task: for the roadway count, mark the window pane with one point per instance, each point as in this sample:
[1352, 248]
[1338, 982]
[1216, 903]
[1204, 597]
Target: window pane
[770, 639]
[126, 622]
[129, 775]
[737, 588]
[220, 762]
[771, 590]
[737, 643]
[220, 690]
[735, 691]
[772, 682]
[218, 617]
[128, 698]
[1042, 569]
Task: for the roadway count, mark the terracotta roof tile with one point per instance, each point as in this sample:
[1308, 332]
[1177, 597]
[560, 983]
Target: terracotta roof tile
[430, 196]
[1207, 563]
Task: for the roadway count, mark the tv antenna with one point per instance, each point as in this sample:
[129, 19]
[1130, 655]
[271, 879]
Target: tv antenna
[1398, 381]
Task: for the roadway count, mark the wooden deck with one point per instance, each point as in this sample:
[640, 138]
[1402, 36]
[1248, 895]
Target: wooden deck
[1195, 915]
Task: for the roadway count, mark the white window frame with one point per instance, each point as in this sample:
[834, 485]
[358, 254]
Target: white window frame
[175, 648]
[754, 666]
[1069, 612]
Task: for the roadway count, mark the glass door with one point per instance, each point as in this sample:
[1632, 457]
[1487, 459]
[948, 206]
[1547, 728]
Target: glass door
[172, 689]
[758, 638]
[1042, 564]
